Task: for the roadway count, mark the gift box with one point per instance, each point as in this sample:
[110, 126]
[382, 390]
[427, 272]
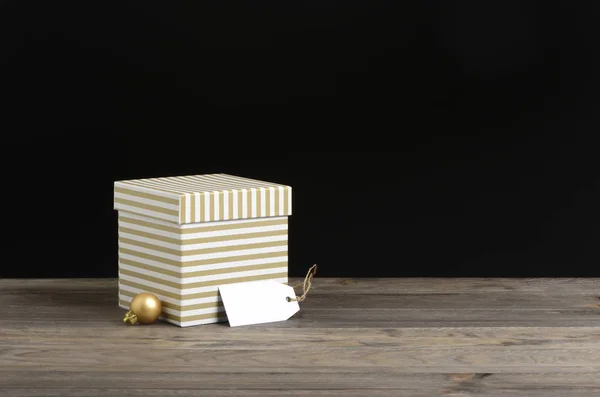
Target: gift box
[182, 237]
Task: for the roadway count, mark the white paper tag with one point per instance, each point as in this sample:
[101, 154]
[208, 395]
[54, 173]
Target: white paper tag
[258, 302]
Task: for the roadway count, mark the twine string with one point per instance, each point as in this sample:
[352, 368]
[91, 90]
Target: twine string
[305, 285]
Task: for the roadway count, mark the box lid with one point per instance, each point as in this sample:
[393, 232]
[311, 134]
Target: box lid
[203, 198]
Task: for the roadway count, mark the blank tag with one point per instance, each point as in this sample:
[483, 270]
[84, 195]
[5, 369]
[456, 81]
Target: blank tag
[258, 302]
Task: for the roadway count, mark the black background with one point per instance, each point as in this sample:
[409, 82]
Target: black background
[489, 110]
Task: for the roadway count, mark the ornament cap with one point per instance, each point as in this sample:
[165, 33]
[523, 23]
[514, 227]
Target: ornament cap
[130, 318]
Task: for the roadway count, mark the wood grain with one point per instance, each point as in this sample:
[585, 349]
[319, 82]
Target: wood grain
[362, 337]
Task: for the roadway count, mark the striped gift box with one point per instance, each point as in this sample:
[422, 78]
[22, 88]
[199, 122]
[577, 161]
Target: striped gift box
[182, 237]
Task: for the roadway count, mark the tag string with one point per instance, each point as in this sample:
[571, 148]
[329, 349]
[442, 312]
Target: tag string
[305, 285]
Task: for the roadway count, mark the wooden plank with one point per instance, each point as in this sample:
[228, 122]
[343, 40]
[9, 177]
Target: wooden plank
[268, 337]
[349, 359]
[421, 392]
[552, 384]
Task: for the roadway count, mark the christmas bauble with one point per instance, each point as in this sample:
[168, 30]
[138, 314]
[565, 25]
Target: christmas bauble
[145, 308]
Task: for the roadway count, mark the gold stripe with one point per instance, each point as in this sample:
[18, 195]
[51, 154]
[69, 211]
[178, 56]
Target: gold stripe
[126, 293]
[146, 206]
[201, 273]
[201, 251]
[276, 202]
[199, 295]
[201, 284]
[148, 196]
[150, 278]
[201, 198]
[230, 209]
[162, 292]
[196, 317]
[149, 257]
[240, 203]
[201, 240]
[267, 201]
[286, 205]
[201, 229]
[211, 212]
[213, 261]
[199, 306]
[182, 208]
[248, 204]
[144, 266]
[258, 202]
[151, 235]
[193, 208]
[149, 246]
[233, 270]
[222, 205]
[171, 229]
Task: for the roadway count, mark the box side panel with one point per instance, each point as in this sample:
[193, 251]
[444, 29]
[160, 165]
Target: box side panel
[185, 264]
[132, 262]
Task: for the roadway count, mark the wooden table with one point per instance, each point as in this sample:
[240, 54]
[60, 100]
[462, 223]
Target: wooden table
[361, 337]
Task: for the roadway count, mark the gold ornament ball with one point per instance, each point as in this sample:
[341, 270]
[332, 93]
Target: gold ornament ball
[145, 309]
